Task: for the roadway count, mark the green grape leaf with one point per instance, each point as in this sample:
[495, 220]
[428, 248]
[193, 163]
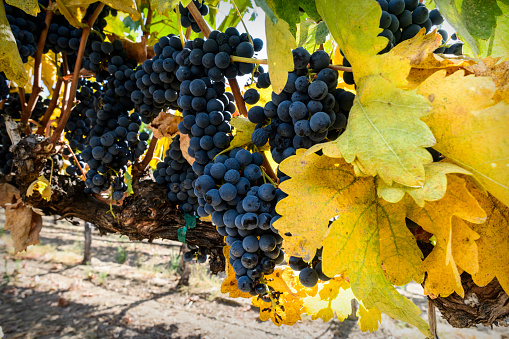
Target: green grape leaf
[289, 11]
[233, 18]
[126, 6]
[10, 60]
[280, 43]
[482, 24]
[28, 6]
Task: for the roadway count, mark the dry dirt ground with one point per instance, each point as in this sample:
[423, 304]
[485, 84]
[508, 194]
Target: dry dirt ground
[130, 291]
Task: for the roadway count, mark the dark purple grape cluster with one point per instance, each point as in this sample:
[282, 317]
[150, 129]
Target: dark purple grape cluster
[6, 156]
[26, 30]
[308, 111]
[178, 176]
[198, 253]
[157, 85]
[78, 126]
[65, 38]
[187, 20]
[233, 190]
[106, 59]
[310, 273]
[12, 106]
[4, 86]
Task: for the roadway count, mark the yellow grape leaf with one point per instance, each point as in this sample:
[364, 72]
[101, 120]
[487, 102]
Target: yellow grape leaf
[285, 307]
[434, 188]
[73, 12]
[469, 131]
[384, 131]
[161, 6]
[41, 185]
[334, 297]
[280, 43]
[432, 63]
[243, 130]
[10, 60]
[229, 284]
[493, 244]
[368, 231]
[498, 71]
[452, 241]
[368, 319]
[28, 6]
[49, 72]
[184, 147]
[126, 6]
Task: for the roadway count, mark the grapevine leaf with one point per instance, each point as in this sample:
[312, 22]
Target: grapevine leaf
[126, 6]
[28, 6]
[73, 12]
[436, 218]
[10, 60]
[288, 11]
[42, 186]
[233, 18]
[483, 25]
[334, 297]
[286, 307]
[469, 131]
[368, 231]
[493, 244]
[384, 132]
[184, 146]
[368, 319]
[434, 188]
[165, 125]
[243, 130]
[280, 43]
[498, 71]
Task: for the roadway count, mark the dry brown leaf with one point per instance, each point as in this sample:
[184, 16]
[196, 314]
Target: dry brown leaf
[165, 125]
[499, 72]
[184, 145]
[23, 223]
[136, 50]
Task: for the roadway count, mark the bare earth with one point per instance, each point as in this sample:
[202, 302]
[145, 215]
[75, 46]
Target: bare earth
[46, 293]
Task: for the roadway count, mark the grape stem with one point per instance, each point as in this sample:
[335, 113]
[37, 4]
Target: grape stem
[74, 84]
[77, 162]
[243, 24]
[200, 21]
[341, 68]
[266, 176]
[188, 32]
[248, 60]
[36, 87]
[268, 170]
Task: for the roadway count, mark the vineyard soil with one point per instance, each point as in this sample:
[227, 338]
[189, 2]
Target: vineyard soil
[47, 293]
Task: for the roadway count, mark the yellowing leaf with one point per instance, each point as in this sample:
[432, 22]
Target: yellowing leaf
[354, 26]
[334, 297]
[368, 231]
[384, 133]
[368, 319]
[28, 6]
[10, 60]
[126, 6]
[73, 12]
[285, 307]
[161, 6]
[41, 185]
[436, 218]
[468, 131]
[280, 43]
[493, 244]
[243, 130]
[434, 188]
